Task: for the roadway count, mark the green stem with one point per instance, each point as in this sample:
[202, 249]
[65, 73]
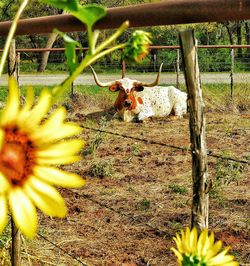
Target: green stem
[113, 37]
[90, 38]
[88, 60]
[11, 34]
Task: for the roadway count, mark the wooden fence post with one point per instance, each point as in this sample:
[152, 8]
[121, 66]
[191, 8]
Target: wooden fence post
[15, 233]
[16, 245]
[232, 73]
[12, 60]
[197, 131]
[18, 67]
[123, 68]
[155, 62]
[178, 69]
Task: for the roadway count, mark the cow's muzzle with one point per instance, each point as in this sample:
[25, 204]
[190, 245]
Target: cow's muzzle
[127, 103]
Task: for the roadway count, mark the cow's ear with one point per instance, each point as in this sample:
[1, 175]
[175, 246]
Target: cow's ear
[139, 87]
[114, 88]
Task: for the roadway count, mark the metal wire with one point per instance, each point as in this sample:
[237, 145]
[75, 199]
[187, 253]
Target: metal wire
[158, 231]
[183, 148]
[63, 250]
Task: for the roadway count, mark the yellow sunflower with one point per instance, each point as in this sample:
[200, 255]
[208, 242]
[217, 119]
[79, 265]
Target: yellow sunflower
[194, 250]
[31, 148]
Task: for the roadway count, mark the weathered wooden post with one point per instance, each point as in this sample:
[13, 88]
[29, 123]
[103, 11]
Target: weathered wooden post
[15, 233]
[18, 67]
[123, 68]
[16, 245]
[232, 73]
[155, 62]
[12, 60]
[197, 131]
[178, 69]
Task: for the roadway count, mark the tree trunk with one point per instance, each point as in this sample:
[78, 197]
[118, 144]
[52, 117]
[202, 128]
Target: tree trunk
[45, 55]
[239, 38]
[230, 35]
[247, 36]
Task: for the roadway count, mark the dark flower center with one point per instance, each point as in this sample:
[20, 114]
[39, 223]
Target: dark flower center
[17, 156]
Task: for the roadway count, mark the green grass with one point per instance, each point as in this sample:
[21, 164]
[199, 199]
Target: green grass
[216, 96]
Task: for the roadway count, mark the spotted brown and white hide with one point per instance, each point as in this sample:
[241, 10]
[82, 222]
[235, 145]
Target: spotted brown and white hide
[137, 101]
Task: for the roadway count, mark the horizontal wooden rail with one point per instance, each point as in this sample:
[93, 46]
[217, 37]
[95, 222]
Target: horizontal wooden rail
[158, 47]
[154, 14]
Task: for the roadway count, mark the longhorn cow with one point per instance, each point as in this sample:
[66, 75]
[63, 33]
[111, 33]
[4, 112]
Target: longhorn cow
[139, 100]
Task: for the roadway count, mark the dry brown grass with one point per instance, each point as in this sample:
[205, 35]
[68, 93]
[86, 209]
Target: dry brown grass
[111, 220]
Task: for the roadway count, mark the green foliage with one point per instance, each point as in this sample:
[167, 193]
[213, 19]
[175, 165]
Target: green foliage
[101, 168]
[87, 14]
[227, 172]
[70, 52]
[177, 189]
[136, 149]
[98, 138]
[5, 247]
[143, 205]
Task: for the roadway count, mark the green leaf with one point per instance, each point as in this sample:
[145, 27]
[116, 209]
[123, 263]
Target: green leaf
[69, 5]
[70, 52]
[88, 14]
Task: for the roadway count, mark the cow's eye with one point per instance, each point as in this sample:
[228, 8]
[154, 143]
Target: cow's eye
[139, 88]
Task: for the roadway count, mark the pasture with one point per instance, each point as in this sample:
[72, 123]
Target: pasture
[139, 189]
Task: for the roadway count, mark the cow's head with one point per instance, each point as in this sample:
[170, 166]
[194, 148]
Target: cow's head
[127, 98]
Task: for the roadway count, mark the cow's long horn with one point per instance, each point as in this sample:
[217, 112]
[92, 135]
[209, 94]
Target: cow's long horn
[157, 80]
[100, 84]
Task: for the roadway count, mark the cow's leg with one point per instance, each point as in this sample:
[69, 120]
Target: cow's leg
[145, 114]
[180, 108]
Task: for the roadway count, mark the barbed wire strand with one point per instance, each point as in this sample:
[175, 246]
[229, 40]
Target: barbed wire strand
[158, 231]
[130, 218]
[63, 250]
[183, 148]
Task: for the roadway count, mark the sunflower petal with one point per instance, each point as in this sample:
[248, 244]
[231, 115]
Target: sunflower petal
[58, 177]
[11, 109]
[214, 250]
[23, 212]
[46, 198]
[40, 110]
[202, 242]
[232, 263]
[61, 149]
[221, 258]
[4, 183]
[177, 254]
[58, 160]
[1, 138]
[55, 129]
[25, 111]
[3, 213]
[193, 237]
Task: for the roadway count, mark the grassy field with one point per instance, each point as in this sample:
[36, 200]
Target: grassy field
[139, 194]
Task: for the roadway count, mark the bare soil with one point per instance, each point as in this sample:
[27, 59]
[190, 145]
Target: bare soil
[139, 194]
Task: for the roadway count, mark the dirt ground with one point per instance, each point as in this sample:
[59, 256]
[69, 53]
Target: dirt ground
[139, 193]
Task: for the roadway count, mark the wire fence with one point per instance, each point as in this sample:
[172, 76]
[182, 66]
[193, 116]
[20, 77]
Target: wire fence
[211, 59]
[160, 56]
[132, 219]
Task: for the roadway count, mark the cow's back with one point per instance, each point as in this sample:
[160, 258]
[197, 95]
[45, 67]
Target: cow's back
[161, 99]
